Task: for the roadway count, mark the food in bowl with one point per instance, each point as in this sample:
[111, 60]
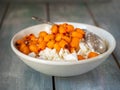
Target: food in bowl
[63, 68]
[63, 42]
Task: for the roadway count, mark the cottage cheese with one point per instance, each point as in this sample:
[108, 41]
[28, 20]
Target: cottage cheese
[64, 54]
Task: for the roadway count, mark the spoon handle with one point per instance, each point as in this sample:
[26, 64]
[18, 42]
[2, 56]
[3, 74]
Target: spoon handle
[42, 20]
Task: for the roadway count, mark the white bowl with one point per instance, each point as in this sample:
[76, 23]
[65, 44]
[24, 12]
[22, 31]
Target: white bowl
[55, 68]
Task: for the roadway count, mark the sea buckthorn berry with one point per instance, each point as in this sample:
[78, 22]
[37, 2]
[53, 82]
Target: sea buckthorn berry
[54, 29]
[75, 42]
[42, 34]
[31, 37]
[47, 38]
[56, 46]
[31, 42]
[62, 29]
[50, 44]
[70, 28]
[80, 57]
[68, 39]
[24, 49]
[19, 41]
[58, 37]
[92, 54]
[33, 48]
[52, 36]
[72, 49]
[77, 48]
[63, 44]
[80, 31]
[41, 45]
[64, 24]
[76, 34]
[40, 39]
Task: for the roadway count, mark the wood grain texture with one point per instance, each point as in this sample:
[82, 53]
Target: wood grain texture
[2, 10]
[58, 1]
[14, 74]
[104, 77]
[108, 17]
[69, 12]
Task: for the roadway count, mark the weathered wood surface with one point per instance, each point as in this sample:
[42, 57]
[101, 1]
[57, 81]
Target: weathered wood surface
[104, 77]
[107, 16]
[2, 10]
[14, 74]
[69, 12]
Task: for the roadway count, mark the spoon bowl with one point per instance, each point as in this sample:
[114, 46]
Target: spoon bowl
[95, 42]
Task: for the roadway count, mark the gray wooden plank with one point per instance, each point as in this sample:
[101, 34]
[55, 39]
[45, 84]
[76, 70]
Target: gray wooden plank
[49, 1]
[108, 17]
[58, 1]
[69, 12]
[14, 74]
[104, 77]
[101, 78]
[2, 9]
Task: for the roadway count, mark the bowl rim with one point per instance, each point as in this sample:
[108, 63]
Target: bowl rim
[20, 54]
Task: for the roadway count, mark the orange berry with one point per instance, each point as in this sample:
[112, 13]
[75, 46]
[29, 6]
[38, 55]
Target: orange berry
[64, 24]
[41, 45]
[57, 47]
[58, 37]
[52, 36]
[50, 44]
[47, 38]
[54, 29]
[24, 49]
[75, 42]
[80, 57]
[19, 41]
[62, 29]
[42, 34]
[68, 39]
[76, 34]
[40, 39]
[63, 44]
[72, 50]
[70, 28]
[33, 48]
[80, 31]
[31, 37]
[92, 54]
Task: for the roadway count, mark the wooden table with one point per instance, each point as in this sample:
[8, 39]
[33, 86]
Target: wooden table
[15, 75]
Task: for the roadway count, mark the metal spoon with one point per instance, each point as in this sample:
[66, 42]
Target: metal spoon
[41, 20]
[95, 42]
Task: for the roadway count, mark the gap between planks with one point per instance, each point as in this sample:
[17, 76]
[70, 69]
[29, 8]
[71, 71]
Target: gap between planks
[48, 19]
[95, 22]
[4, 14]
